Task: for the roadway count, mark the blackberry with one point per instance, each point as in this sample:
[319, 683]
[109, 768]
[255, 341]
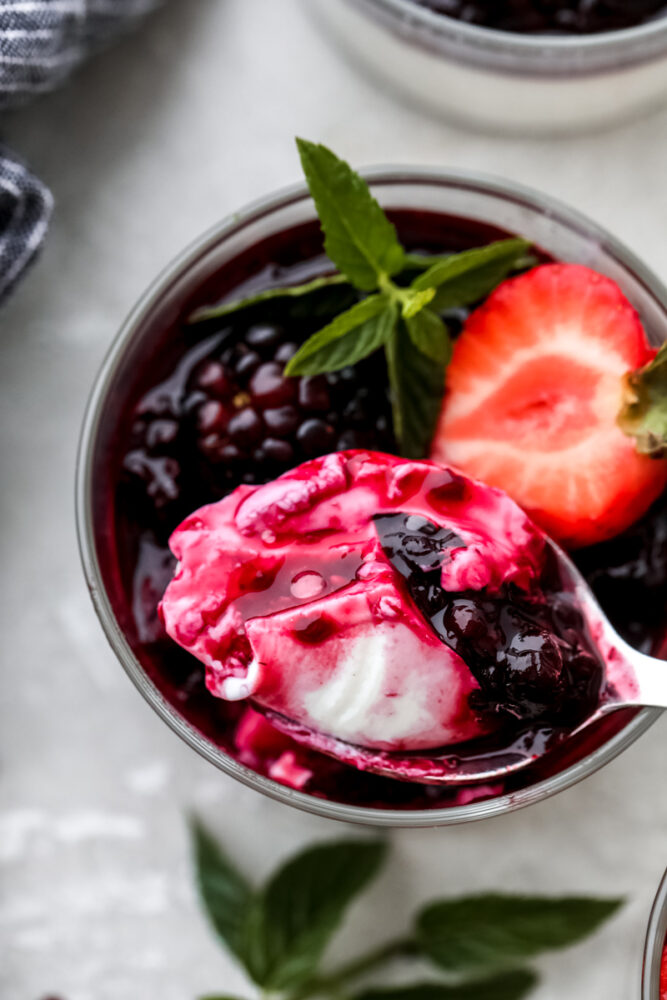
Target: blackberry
[229, 415]
[315, 437]
[314, 394]
[270, 388]
[628, 577]
[283, 421]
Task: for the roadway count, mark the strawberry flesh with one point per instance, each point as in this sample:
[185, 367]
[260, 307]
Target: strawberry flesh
[533, 395]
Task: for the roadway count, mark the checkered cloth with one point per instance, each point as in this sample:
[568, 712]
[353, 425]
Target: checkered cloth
[41, 41]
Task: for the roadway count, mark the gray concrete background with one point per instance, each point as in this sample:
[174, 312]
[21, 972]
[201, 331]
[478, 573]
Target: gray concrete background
[144, 149]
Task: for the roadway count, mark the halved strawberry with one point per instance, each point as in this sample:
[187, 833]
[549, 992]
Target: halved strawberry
[533, 395]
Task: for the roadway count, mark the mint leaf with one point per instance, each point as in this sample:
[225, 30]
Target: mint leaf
[269, 295]
[226, 895]
[507, 986]
[486, 932]
[644, 412]
[414, 301]
[430, 336]
[359, 238]
[301, 907]
[351, 336]
[463, 278]
[416, 385]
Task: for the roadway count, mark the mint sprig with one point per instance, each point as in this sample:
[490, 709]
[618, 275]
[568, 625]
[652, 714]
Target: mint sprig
[429, 335]
[505, 986]
[478, 945]
[349, 338]
[358, 236]
[463, 278]
[402, 311]
[225, 893]
[292, 919]
[489, 932]
[363, 244]
[268, 295]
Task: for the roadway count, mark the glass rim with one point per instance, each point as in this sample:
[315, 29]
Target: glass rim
[655, 944]
[547, 55]
[260, 208]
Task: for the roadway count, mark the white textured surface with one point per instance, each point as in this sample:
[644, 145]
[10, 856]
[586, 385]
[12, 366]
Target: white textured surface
[96, 899]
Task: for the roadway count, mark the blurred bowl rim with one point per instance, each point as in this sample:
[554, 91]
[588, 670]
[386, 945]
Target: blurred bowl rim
[656, 937]
[195, 251]
[541, 55]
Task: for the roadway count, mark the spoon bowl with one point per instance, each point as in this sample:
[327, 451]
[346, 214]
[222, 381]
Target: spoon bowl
[632, 680]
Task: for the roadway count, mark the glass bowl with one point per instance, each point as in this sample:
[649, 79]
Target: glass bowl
[501, 81]
[655, 944]
[559, 231]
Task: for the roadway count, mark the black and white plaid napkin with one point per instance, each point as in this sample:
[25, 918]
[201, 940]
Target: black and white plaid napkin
[41, 41]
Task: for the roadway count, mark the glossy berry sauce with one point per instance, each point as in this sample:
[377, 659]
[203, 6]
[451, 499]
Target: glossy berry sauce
[561, 17]
[663, 975]
[530, 657]
[198, 410]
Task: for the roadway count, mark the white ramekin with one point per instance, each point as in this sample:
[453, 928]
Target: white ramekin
[501, 81]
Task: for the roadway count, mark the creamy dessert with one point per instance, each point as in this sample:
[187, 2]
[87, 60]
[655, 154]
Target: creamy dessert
[387, 603]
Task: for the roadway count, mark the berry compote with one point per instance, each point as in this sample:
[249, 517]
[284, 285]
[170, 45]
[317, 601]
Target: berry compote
[548, 17]
[386, 603]
[198, 410]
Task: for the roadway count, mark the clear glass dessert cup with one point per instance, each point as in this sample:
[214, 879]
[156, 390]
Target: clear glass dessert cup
[655, 944]
[559, 231]
[498, 80]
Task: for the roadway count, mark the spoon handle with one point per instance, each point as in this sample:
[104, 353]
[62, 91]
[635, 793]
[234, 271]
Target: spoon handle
[649, 679]
[635, 679]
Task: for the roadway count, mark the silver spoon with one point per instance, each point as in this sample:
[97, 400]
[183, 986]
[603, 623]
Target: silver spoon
[632, 680]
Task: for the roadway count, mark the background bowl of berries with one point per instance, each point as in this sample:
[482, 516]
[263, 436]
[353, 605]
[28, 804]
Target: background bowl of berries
[512, 65]
[281, 338]
[654, 981]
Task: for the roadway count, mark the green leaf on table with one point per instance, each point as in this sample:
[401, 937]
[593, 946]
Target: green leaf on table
[302, 905]
[269, 295]
[416, 385]
[224, 892]
[430, 335]
[349, 338]
[359, 238]
[463, 278]
[506, 986]
[218, 996]
[492, 931]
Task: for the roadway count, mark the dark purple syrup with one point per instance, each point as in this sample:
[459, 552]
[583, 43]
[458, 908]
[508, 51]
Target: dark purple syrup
[197, 410]
[550, 17]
